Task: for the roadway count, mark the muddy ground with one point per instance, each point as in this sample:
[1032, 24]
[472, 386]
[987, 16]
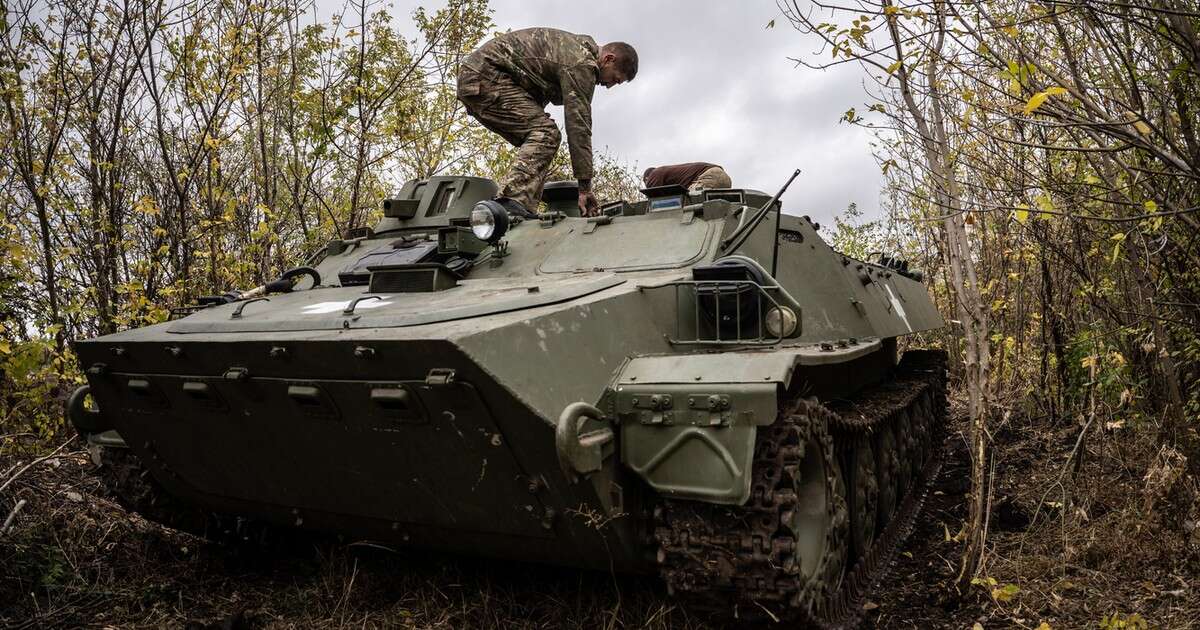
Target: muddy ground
[1092, 556]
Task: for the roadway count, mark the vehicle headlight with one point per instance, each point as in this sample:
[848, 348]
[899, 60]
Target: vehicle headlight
[489, 221]
[781, 322]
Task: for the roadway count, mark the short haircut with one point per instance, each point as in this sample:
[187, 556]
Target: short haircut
[627, 57]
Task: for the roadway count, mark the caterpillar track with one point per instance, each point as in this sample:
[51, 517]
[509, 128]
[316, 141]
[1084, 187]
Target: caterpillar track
[836, 489]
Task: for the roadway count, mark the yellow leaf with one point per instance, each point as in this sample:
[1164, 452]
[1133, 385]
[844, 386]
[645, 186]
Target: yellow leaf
[5, 347]
[1142, 127]
[1056, 91]
[1035, 102]
[1151, 206]
[1005, 593]
[977, 626]
[894, 67]
[1043, 626]
[1022, 213]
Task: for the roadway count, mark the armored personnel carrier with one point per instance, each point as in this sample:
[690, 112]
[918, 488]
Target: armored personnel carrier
[695, 386]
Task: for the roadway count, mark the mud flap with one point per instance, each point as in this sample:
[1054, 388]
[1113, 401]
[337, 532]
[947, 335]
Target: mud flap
[694, 441]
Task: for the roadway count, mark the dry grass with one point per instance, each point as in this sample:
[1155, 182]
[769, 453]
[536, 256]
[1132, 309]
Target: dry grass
[73, 558]
[1093, 550]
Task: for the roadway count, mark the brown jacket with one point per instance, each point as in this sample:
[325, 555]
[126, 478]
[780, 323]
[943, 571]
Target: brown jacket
[681, 174]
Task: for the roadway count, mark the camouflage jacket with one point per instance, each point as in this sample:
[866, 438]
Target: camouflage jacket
[554, 67]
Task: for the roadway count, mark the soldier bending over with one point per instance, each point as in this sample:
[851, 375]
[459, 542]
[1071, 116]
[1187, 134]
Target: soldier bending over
[506, 85]
[694, 176]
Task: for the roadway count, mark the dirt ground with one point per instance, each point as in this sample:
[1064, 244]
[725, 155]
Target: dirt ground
[1090, 557]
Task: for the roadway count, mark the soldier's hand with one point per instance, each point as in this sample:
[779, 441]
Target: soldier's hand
[588, 206]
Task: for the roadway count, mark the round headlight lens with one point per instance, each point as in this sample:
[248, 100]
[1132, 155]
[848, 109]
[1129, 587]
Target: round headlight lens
[489, 221]
[781, 322]
[483, 223]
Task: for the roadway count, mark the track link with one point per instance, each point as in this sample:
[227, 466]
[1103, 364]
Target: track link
[742, 561]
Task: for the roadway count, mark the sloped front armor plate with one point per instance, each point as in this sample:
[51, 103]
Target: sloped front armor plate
[402, 451]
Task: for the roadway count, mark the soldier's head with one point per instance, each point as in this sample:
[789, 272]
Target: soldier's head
[618, 63]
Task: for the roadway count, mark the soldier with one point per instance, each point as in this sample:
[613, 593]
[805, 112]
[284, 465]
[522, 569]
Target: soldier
[695, 176]
[506, 85]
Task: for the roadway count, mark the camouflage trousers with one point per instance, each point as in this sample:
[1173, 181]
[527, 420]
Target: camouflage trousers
[508, 110]
[713, 177]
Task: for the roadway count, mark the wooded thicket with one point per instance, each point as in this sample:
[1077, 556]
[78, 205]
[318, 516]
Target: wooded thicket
[1048, 153]
[1042, 163]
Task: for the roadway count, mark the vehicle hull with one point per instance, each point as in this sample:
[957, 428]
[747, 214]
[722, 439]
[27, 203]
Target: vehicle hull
[423, 449]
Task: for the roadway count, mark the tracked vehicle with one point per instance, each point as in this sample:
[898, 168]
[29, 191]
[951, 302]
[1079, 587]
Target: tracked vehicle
[695, 386]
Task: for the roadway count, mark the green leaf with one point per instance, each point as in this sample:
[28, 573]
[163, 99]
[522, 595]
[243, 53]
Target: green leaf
[894, 67]
[771, 24]
[1151, 206]
[1022, 213]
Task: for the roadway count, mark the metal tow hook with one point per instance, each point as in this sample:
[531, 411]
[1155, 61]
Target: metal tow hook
[580, 455]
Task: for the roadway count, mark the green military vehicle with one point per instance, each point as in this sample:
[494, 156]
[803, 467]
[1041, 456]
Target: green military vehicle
[694, 386]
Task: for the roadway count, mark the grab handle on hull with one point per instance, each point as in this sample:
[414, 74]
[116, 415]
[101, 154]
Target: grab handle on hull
[580, 455]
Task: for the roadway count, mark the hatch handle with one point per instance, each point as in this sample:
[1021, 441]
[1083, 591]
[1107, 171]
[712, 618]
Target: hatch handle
[580, 455]
[237, 313]
[349, 310]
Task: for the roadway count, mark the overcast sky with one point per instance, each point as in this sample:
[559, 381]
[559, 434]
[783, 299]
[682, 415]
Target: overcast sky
[715, 85]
